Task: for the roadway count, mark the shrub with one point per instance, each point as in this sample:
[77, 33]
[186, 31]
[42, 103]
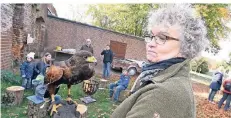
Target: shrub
[203, 67]
[9, 77]
[200, 65]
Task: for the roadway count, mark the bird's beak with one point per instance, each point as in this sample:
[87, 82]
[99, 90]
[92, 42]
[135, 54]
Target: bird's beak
[91, 59]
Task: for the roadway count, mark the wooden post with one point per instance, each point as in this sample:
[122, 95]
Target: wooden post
[16, 94]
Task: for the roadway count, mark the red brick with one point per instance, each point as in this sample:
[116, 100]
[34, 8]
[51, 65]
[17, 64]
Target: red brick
[75, 34]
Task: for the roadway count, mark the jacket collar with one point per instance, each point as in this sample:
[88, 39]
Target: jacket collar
[182, 67]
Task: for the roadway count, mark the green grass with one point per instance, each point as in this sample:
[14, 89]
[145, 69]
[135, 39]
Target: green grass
[102, 108]
[14, 111]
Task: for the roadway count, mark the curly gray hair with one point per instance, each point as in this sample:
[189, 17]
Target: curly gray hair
[192, 30]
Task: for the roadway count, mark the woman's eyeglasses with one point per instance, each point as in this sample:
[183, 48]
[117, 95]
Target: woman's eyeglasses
[160, 38]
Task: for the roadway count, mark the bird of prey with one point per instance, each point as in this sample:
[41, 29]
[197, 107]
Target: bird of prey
[73, 71]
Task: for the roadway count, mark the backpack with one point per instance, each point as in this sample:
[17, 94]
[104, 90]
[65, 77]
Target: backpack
[228, 87]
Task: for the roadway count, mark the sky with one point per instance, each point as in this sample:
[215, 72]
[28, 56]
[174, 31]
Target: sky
[66, 11]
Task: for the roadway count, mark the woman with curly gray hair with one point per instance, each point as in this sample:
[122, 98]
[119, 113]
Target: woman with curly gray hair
[163, 89]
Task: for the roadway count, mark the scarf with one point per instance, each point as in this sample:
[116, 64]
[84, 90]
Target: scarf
[150, 70]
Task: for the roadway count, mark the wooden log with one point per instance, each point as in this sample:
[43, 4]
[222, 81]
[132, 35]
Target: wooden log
[15, 93]
[82, 110]
[34, 110]
[103, 84]
[66, 110]
[69, 111]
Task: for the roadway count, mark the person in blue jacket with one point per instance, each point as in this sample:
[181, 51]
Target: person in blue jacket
[215, 85]
[27, 70]
[119, 86]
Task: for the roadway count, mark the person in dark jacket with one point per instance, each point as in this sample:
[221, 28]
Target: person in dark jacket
[107, 60]
[44, 63]
[226, 95]
[215, 85]
[27, 69]
[119, 86]
[41, 69]
[88, 47]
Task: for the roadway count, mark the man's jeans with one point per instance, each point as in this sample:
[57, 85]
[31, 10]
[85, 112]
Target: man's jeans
[106, 69]
[226, 97]
[26, 83]
[212, 94]
[118, 89]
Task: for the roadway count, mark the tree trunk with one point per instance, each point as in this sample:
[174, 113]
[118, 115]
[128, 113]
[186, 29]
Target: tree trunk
[34, 110]
[15, 94]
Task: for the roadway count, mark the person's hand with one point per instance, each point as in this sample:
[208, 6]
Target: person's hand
[129, 93]
[220, 92]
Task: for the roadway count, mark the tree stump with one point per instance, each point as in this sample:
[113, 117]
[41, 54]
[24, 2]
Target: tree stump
[34, 110]
[71, 111]
[103, 84]
[15, 94]
[64, 111]
[82, 110]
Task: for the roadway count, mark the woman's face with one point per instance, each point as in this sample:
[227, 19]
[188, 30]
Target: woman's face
[169, 49]
[48, 57]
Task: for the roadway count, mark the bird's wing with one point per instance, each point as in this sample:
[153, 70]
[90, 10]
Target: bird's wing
[67, 72]
[53, 74]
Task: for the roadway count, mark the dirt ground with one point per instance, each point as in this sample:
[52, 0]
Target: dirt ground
[204, 108]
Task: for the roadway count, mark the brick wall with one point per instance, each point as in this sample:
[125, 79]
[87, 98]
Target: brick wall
[7, 11]
[69, 34]
[17, 21]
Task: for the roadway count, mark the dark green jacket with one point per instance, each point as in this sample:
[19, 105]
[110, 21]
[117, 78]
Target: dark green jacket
[170, 96]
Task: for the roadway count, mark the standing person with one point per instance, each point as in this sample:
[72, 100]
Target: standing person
[107, 60]
[119, 85]
[226, 95]
[164, 88]
[27, 70]
[215, 85]
[88, 46]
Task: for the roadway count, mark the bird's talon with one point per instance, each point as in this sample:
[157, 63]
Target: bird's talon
[69, 99]
[54, 109]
